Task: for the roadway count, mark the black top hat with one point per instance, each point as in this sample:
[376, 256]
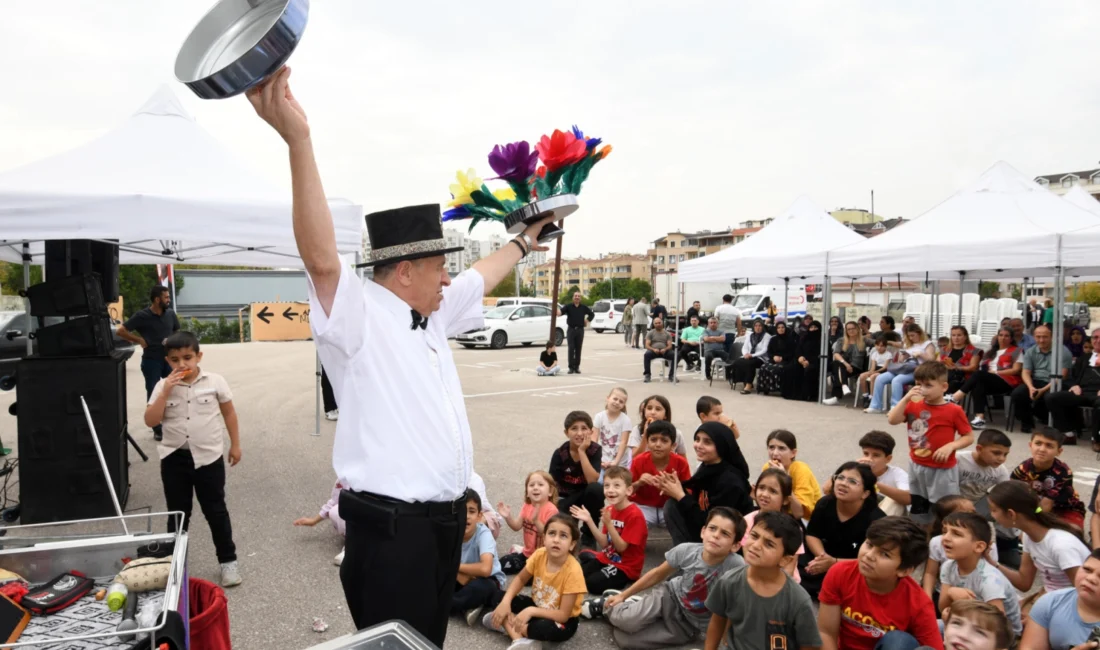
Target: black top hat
[406, 234]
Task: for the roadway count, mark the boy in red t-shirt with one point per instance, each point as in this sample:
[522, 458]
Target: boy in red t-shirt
[648, 466]
[933, 423]
[623, 526]
[873, 600]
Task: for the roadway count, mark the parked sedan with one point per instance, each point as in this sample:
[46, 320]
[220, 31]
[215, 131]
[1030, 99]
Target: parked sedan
[14, 326]
[526, 324]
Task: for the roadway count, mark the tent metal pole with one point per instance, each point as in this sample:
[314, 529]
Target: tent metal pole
[27, 302]
[173, 283]
[959, 314]
[786, 316]
[1056, 325]
[823, 370]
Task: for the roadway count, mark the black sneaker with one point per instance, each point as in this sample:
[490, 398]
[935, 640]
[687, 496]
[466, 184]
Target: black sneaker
[593, 608]
[646, 380]
[158, 436]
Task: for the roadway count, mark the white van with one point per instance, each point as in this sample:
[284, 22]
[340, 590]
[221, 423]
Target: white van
[608, 315]
[753, 301]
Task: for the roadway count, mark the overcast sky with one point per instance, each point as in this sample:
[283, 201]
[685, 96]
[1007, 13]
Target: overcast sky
[718, 112]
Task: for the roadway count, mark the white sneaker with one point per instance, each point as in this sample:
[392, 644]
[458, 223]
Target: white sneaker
[334, 414]
[231, 574]
[487, 622]
[339, 559]
[829, 401]
[871, 410]
[473, 615]
[525, 644]
[844, 389]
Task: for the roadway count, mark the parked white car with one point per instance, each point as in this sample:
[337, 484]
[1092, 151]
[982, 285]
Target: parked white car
[608, 315]
[525, 324]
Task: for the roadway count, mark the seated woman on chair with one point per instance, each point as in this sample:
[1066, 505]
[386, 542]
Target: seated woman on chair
[849, 360]
[754, 352]
[961, 358]
[899, 373]
[781, 353]
[999, 373]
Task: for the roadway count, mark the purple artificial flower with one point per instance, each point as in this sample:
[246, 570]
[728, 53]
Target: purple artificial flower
[514, 162]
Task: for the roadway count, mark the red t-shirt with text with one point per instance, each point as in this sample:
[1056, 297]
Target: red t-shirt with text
[931, 427]
[630, 522]
[865, 616]
[647, 495]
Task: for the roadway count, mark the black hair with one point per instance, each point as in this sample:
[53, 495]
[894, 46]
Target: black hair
[157, 291]
[942, 509]
[1057, 437]
[1044, 325]
[725, 298]
[181, 340]
[706, 404]
[662, 400]
[880, 440]
[734, 517]
[661, 428]
[577, 416]
[892, 337]
[1018, 497]
[549, 344]
[785, 437]
[786, 485]
[994, 437]
[472, 495]
[972, 522]
[868, 477]
[905, 535]
[574, 530]
[783, 526]
[889, 321]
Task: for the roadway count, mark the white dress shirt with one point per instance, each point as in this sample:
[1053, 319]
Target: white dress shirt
[403, 431]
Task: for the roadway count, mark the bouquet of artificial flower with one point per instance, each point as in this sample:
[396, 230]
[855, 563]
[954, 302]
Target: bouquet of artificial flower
[567, 159]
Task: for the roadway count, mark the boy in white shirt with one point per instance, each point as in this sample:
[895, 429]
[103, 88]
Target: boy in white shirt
[892, 481]
[981, 469]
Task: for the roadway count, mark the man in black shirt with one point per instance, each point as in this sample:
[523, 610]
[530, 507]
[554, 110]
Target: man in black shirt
[148, 328]
[658, 310]
[693, 311]
[576, 317]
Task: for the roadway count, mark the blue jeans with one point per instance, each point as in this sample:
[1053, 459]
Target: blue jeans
[154, 370]
[897, 387]
[897, 640]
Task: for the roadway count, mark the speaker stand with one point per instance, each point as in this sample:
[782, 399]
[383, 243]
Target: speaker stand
[136, 447]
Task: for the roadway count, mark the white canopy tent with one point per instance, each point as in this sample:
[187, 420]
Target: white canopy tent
[1082, 199]
[166, 190]
[795, 244]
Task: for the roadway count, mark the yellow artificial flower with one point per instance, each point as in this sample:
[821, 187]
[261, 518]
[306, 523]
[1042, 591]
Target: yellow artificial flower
[505, 194]
[467, 182]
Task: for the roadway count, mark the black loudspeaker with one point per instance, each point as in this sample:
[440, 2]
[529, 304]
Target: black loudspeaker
[84, 336]
[60, 477]
[66, 257]
[77, 295]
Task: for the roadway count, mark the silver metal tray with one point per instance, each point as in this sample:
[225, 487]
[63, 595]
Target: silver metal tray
[391, 635]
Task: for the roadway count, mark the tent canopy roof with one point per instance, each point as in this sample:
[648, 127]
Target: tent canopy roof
[793, 245]
[1005, 225]
[166, 189]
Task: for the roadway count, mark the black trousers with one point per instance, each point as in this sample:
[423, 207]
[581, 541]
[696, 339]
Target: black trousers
[543, 629]
[983, 384]
[590, 497]
[1065, 409]
[690, 354]
[575, 339]
[714, 354]
[153, 370]
[744, 370]
[678, 527]
[479, 592]
[650, 355]
[400, 563]
[1025, 408]
[841, 377]
[327, 396]
[512, 563]
[181, 480]
[600, 577]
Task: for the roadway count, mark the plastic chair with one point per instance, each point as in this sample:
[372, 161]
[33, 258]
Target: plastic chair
[717, 364]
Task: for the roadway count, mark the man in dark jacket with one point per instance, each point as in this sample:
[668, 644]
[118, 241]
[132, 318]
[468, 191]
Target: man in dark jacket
[1082, 388]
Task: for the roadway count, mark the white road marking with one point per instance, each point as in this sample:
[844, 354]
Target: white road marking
[536, 390]
[555, 393]
[1086, 475]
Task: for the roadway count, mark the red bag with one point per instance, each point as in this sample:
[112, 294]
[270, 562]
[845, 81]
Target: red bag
[57, 594]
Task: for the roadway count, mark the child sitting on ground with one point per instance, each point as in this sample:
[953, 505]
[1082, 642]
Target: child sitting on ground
[552, 611]
[674, 612]
[782, 449]
[709, 409]
[980, 470]
[548, 361]
[1051, 478]
[758, 605]
[936, 555]
[891, 481]
[974, 625]
[967, 576]
[574, 465]
[877, 361]
[772, 493]
[540, 501]
[1051, 545]
[937, 429]
[653, 408]
[609, 429]
[649, 465]
[191, 462]
[878, 586]
[480, 580]
[330, 511]
[623, 527]
[489, 517]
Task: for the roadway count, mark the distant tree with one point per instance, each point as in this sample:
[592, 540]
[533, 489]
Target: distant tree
[989, 290]
[624, 288]
[1089, 293]
[507, 288]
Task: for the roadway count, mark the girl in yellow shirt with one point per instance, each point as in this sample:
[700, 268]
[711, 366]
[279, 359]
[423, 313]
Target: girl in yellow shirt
[782, 450]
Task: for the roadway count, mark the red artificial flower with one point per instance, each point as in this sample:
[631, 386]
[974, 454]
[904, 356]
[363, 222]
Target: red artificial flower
[560, 149]
[541, 171]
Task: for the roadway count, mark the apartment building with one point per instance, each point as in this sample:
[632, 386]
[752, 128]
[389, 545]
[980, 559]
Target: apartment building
[586, 273]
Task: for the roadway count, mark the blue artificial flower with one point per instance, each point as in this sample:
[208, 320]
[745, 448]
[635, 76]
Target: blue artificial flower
[589, 143]
[456, 213]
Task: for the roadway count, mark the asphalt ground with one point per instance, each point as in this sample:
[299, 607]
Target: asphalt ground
[516, 418]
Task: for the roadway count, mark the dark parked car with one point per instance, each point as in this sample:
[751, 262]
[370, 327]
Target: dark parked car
[13, 334]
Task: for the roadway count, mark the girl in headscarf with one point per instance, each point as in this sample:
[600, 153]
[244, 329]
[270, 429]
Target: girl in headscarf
[1076, 341]
[781, 353]
[753, 353]
[720, 480]
[800, 378]
[836, 332]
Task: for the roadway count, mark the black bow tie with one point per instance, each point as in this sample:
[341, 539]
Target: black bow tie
[418, 320]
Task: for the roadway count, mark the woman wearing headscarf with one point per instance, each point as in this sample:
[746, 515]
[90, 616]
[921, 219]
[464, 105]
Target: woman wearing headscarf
[836, 332]
[781, 353]
[800, 379]
[1075, 341]
[720, 480]
[754, 351]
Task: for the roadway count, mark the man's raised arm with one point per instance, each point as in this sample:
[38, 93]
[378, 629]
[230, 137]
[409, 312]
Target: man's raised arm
[313, 229]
